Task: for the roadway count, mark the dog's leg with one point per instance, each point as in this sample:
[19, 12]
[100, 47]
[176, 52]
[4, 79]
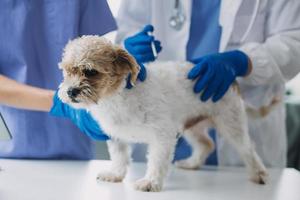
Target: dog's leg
[232, 124]
[120, 157]
[202, 145]
[159, 158]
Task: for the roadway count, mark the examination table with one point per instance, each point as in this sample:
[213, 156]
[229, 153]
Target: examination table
[76, 180]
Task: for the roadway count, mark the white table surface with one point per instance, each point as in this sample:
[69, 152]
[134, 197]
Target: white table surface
[76, 180]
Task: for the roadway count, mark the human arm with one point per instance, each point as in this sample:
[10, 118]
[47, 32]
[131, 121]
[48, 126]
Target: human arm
[23, 96]
[279, 55]
[132, 16]
[135, 33]
[275, 59]
[140, 47]
[134, 29]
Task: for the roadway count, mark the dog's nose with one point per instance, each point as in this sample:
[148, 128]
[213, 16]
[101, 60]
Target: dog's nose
[73, 92]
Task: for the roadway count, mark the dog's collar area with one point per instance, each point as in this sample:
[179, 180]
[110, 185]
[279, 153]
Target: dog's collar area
[128, 84]
[74, 100]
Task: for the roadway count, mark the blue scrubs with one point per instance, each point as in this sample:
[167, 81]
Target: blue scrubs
[205, 34]
[32, 37]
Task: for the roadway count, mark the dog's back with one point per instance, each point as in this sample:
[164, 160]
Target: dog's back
[168, 85]
[166, 97]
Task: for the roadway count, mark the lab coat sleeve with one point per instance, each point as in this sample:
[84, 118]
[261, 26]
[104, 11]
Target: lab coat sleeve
[279, 55]
[96, 18]
[133, 15]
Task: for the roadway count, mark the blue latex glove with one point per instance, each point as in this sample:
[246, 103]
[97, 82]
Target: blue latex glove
[215, 73]
[139, 46]
[141, 76]
[80, 117]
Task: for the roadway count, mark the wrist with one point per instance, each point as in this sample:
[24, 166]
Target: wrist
[49, 94]
[250, 67]
[58, 108]
[240, 62]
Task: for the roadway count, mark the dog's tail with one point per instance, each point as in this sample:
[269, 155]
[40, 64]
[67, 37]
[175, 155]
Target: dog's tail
[256, 113]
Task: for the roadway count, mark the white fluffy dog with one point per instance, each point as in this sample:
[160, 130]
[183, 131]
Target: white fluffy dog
[153, 112]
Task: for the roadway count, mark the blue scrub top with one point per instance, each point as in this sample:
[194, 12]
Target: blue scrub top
[205, 35]
[32, 37]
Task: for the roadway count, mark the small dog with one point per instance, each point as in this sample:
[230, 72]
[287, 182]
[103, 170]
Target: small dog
[154, 112]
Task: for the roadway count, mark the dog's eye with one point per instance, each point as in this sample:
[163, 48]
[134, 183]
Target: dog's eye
[90, 72]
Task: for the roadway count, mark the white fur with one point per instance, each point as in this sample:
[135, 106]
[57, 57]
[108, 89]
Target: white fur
[155, 111]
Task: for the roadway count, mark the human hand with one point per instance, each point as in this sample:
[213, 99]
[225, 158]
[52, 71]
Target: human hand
[216, 72]
[139, 46]
[80, 117]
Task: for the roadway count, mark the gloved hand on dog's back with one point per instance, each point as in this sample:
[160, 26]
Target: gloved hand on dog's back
[139, 46]
[216, 72]
[80, 117]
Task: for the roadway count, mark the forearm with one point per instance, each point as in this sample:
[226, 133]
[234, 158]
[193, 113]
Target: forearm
[277, 57]
[19, 95]
[130, 22]
[250, 67]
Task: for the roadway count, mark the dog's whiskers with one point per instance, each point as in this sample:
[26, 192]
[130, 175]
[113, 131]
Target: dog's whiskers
[87, 93]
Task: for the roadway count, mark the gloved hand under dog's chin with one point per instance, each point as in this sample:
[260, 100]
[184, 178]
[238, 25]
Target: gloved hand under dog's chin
[80, 117]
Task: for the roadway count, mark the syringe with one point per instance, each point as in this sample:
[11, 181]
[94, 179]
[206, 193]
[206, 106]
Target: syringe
[153, 46]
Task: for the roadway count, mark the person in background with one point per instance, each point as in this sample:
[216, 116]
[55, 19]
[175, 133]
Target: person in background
[253, 42]
[32, 37]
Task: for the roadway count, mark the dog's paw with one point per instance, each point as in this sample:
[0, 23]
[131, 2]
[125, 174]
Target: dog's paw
[260, 177]
[147, 185]
[109, 177]
[189, 164]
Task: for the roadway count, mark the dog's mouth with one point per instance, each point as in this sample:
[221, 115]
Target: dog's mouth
[74, 100]
[81, 98]
[78, 95]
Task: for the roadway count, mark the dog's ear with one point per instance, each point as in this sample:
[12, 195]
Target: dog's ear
[125, 61]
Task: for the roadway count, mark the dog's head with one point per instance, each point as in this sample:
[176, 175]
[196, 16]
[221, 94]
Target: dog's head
[94, 68]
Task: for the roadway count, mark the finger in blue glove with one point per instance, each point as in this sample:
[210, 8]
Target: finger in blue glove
[80, 117]
[215, 73]
[141, 76]
[148, 28]
[139, 45]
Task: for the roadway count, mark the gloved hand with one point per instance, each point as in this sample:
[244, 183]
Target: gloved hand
[139, 46]
[80, 117]
[141, 76]
[215, 73]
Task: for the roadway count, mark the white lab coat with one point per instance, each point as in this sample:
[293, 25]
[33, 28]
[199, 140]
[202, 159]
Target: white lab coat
[268, 31]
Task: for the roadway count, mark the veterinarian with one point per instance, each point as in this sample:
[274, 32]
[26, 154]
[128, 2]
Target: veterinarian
[33, 34]
[254, 42]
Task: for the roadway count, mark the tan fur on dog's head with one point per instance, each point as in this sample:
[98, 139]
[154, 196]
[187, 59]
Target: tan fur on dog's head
[94, 68]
